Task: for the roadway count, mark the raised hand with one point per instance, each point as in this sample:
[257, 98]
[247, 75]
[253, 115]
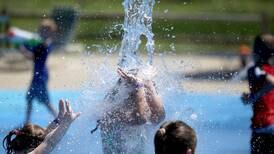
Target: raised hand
[128, 77]
[259, 72]
[66, 114]
[62, 109]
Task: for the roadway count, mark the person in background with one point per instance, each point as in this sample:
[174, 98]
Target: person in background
[245, 63]
[175, 137]
[39, 55]
[261, 97]
[4, 28]
[244, 55]
[33, 139]
[133, 102]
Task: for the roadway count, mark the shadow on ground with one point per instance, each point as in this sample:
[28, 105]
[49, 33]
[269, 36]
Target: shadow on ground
[213, 75]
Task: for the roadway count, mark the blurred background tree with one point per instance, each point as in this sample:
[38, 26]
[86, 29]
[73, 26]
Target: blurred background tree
[192, 25]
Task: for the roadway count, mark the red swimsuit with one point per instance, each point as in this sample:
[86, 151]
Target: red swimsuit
[264, 108]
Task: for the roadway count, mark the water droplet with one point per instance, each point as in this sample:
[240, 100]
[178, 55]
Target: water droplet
[194, 116]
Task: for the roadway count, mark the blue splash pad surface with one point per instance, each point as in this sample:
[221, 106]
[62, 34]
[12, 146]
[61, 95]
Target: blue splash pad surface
[220, 120]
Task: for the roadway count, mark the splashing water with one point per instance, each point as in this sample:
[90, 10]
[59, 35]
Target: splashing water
[137, 22]
[211, 115]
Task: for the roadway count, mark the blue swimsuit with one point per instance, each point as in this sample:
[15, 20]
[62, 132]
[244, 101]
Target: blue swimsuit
[38, 88]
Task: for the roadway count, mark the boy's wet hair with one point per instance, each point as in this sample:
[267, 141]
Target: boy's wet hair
[175, 137]
[24, 139]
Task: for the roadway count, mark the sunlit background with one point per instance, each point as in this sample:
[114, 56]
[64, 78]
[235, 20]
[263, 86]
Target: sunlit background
[194, 26]
[197, 43]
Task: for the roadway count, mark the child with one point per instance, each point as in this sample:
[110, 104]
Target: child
[39, 54]
[175, 137]
[244, 55]
[261, 97]
[134, 102]
[34, 139]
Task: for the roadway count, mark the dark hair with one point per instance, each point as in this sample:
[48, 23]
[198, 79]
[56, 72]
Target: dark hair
[174, 137]
[47, 28]
[26, 138]
[262, 50]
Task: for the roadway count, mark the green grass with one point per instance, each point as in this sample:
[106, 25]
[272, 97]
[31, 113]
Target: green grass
[101, 28]
[162, 28]
[173, 6]
[208, 27]
[164, 46]
[170, 31]
[178, 27]
[27, 24]
[190, 35]
[96, 32]
[218, 6]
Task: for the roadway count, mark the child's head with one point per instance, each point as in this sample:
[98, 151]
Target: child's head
[24, 139]
[263, 48]
[47, 28]
[175, 137]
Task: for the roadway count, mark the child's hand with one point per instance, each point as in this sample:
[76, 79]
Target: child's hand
[128, 77]
[66, 114]
[244, 98]
[62, 110]
[259, 72]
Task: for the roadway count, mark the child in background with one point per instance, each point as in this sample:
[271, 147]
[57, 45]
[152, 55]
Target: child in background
[175, 137]
[261, 97]
[33, 139]
[244, 55]
[4, 28]
[39, 54]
